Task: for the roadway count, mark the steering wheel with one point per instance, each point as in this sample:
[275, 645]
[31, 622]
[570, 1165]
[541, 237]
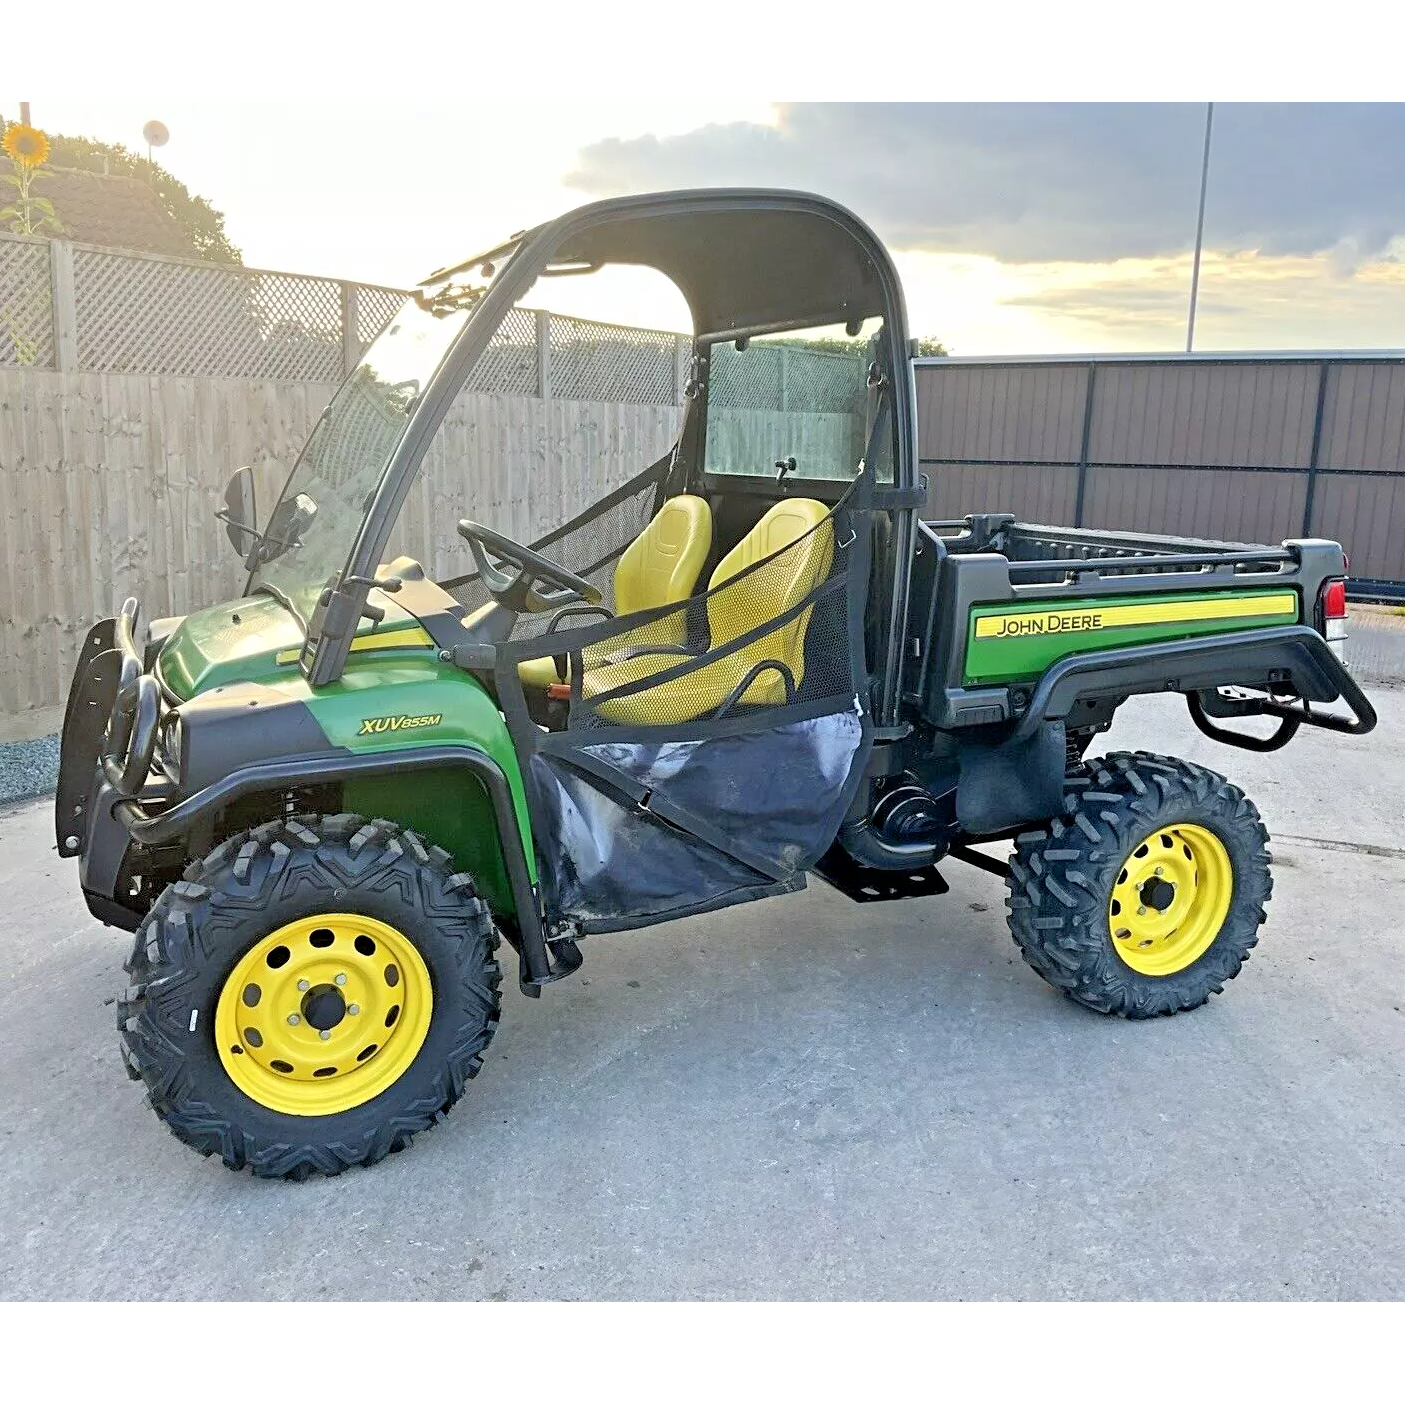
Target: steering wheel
[518, 590]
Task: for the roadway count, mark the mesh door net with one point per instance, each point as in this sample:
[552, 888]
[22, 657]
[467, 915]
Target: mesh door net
[700, 753]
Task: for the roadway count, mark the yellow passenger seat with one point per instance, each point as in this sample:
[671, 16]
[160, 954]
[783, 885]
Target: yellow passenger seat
[659, 567]
[763, 595]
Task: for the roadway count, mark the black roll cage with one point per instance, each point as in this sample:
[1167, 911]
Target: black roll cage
[334, 623]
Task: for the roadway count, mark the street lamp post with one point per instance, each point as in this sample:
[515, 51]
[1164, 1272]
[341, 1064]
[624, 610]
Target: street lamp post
[1199, 230]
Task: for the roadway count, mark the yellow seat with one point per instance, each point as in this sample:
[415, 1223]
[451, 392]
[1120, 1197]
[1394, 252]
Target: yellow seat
[659, 567]
[766, 593]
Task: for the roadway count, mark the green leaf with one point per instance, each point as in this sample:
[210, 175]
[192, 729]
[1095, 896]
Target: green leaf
[10, 178]
[10, 212]
[40, 203]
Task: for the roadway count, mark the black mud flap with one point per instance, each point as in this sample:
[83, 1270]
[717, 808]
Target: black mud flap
[90, 701]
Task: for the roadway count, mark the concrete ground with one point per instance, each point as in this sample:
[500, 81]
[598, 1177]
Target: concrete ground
[807, 1099]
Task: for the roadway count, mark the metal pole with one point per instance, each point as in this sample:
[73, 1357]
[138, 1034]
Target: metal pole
[1315, 453]
[1199, 230]
[1087, 435]
[24, 115]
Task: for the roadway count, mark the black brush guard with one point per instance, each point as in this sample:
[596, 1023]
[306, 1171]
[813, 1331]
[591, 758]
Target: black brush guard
[109, 726]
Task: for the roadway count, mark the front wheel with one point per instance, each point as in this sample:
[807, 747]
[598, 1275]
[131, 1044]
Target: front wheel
[1146, 896]
[313, 993]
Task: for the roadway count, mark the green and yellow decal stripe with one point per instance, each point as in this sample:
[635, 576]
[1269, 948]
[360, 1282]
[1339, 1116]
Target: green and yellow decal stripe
[1005, 643]
[405, 637]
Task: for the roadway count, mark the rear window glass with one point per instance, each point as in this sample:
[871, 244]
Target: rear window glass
[794, 396]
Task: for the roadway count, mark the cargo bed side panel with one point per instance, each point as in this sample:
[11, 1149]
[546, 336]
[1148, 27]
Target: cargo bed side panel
[1009, 642]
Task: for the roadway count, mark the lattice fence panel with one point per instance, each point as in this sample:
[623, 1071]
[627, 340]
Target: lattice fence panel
[147, 316]
[509, 365]
[140, 315]
[26, 304]
[773, 376]
[374, 308]
[744, 380]
[624, 365]
[824, 382]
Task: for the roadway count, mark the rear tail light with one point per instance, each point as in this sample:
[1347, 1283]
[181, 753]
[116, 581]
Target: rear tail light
[1331, 613]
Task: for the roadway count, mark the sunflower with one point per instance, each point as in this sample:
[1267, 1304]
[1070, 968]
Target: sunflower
[26, 145]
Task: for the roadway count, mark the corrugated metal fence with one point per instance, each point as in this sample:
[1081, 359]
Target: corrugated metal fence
[1245, 448]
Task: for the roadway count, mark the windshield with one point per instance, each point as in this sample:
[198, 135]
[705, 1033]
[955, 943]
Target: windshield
[347, 453]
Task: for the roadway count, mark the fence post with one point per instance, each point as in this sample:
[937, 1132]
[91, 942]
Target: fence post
[543, 353]
[350, 329]
[682, 364]
[64, 303]
[1083, 447]
[1316, 450]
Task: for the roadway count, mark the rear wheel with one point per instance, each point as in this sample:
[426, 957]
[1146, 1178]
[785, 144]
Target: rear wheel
[311, 995]
[1146, 896]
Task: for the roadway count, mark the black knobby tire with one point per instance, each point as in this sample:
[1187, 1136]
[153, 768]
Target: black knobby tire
[1061, 881]
[253, 884]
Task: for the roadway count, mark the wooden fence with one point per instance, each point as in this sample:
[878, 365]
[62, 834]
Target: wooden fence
[111, 483]
[132, 385]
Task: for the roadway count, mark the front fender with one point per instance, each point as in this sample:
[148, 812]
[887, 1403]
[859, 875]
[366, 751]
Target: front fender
[398, 708]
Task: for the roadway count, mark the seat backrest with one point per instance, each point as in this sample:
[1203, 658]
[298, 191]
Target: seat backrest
[776, 588]
[662, 564]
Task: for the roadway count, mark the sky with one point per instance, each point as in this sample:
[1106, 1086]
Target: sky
[1017, 227]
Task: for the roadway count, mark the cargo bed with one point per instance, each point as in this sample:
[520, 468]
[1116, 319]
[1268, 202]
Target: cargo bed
[997, 603]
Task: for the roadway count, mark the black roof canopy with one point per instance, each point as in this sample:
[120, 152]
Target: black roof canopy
[742, 258]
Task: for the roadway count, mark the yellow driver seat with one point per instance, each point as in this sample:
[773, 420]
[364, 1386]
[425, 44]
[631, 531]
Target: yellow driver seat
[766, 593]
[659, 567]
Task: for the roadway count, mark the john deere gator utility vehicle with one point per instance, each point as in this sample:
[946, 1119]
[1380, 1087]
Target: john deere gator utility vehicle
[319, 806]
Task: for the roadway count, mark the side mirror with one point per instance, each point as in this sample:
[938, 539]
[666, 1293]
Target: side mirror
[240, 515]
[291, 518]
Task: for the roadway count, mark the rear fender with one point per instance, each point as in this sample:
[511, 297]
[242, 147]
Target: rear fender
[1292, 661]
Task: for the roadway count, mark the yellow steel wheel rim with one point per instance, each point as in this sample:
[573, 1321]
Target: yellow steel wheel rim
[1170, 899]
[324, 1014]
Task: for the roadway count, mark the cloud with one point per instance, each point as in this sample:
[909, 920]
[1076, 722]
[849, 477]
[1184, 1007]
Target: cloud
[1083, 182]
[1246, 300]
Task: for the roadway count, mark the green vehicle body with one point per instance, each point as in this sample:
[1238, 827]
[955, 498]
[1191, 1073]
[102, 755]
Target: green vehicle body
[319, 806]
[978, 632]
[393, 695]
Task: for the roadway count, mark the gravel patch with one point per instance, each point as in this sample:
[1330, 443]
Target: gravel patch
[28, 768]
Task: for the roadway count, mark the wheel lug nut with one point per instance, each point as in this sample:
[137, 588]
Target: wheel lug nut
[302, 985]
[340, 978]
[353, 1009]
[1141, 912]
[294, 1019]
[324, 1033]
[1159, 870]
